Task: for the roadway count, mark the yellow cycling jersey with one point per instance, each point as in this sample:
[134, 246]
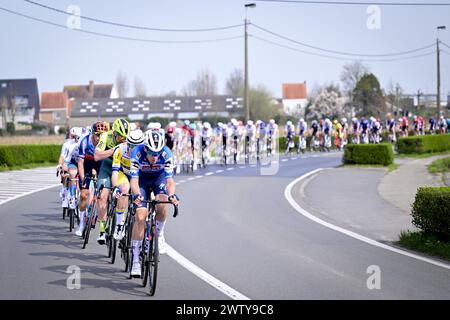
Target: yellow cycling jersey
[106, 141]
[121, 159]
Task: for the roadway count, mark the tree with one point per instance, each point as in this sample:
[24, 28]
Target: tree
[235, 83]
[261, 104]
[139, 88]
[122, 85]
[351, 74]
[205, 84]
[326, 102]
[368, 97]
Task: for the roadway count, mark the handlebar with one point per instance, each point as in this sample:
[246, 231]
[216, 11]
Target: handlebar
[155, 202]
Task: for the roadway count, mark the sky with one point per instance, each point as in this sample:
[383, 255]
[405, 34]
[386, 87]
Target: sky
[59, 56]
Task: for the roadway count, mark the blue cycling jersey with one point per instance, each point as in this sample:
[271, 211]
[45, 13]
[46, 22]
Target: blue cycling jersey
[142, 168]
[87, 148]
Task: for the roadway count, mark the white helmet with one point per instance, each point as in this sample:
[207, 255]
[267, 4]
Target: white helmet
[302, 120]
[172, 124]
[289, 123]
[135, 137]
[154, 126]
[206, 125]
[154, 140]
[344, 120]
[76, 131]
[220, 124]
[354, 119]
[234, 122]
[271, 121]
[250, 122]
[372, 119]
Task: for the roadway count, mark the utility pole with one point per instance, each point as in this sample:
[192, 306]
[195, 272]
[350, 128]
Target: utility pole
[438, 94]
[246, 100]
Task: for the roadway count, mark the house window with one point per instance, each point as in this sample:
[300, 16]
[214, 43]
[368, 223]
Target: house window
[4, 85]
[57, 115]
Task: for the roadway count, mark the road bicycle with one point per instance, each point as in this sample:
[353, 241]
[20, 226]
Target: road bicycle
[91, 211]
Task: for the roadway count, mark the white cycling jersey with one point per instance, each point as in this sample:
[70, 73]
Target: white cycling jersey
[70, 151]
[250, 131]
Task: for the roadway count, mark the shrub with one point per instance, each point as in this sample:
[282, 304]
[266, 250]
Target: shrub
[424, 144]
[431, 210]
[368, 154]
[16, 155]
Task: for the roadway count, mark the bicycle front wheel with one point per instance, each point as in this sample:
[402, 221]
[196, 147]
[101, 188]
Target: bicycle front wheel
[153, 260]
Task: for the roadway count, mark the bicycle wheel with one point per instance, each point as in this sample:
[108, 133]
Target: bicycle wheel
[64, 213]
[144, 262]
[153, 260]
[91, 214]
[71, 215]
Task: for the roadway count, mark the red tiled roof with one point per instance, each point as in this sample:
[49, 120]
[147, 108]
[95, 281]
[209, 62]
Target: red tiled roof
[294, 90]
[53, 100]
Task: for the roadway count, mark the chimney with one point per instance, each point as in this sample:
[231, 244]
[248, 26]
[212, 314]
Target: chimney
[91, 89]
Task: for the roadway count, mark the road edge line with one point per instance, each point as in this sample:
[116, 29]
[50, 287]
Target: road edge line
[305, 213]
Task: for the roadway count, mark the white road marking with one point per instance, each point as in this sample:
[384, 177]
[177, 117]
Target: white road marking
[230, 169]
[295, 158]
[219, 171]
[296, 206]
[284, 160]
[242, 167]
[198, 177]
[209, 173]
[190, 179]
[216, 283]
[28, 193]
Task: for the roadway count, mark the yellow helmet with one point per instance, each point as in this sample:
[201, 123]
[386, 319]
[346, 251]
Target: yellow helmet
[335, 121]
[121, 127]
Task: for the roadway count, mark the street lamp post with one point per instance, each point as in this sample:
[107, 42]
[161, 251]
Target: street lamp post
[246, 100]
[438, 94]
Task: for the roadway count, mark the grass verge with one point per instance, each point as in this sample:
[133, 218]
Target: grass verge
[421, 155]
[440, 165]
[29, 166]
[427, 243]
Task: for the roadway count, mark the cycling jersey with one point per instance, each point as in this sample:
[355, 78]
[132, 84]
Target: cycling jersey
[272, 129]
[250, 130]
[71, 152]
[121, 159]
[142, 168]
[106, 142]
[302, 127]
[327, 127]
[87, 148]
[364, 125]
[290, 131]
[170, 140]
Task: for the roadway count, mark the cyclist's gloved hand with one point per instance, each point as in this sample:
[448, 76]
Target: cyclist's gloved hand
[137, 199]
[117, 193]
[174, 199]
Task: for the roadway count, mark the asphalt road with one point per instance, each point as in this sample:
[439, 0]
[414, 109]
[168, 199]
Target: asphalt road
[234, 224]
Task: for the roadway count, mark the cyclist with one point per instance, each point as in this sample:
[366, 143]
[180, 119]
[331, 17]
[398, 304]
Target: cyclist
[403, 122]
[260, 137]
[328, 131]
[432, 123]
[272, 133]
[356, 130]
[338, 135]
[441, 125]
[86, 164]
[302, 128]
[250, 136]
[289, 134]
[206, 136]
[375, 128]
[70, 164]
[391, 128]
[315, 134]
[121, 175]
[448, 125]
[70, 139]
[151, 169]
[104, 151]
[344, 125]
[364, 130]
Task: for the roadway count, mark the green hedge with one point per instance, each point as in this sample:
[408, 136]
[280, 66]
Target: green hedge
[16, 155]
[431, 210]
[368, 154]
[424, 144]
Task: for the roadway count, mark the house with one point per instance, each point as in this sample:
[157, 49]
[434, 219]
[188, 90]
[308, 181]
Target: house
[19, 101]
[87, 111]
[54, 108]
[295, 98]
[90, 91]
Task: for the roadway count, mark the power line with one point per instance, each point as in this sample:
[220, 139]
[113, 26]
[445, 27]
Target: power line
[339, 58]
[444, 44]
[123, 25]
[107, 35]
[348, 3]
[341, 52]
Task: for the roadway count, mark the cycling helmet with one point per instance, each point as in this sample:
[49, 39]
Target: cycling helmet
[74, 131]
[170, 130]
[249, 122]
[121, 127]
[206, 125]
[187, 122]
[154, 126]
[335, 121]
[192, 126]
[289, 123]
[302, 120]
[100, 127]
[272, 121]
[154, 141]
[220, 124]
[172, 124]
[314, 122]
[414, 117]
[354, 119]
[135, 137]
[344, 120]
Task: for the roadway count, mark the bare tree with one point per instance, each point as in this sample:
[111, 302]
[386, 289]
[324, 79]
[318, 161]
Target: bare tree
[235, 83]
[122, 84]
[204, 85]
[351, 74]
[139, 88]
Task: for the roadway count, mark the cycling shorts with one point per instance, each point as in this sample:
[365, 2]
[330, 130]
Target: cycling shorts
[104, 177]
[88, 166]
[157, 185]
[123, 179]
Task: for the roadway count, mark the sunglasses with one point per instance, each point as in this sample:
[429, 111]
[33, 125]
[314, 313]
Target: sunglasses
[152, 153]
[119, 138]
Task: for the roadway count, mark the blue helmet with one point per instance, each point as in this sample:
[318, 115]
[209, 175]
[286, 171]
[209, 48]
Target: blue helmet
[192, 126]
